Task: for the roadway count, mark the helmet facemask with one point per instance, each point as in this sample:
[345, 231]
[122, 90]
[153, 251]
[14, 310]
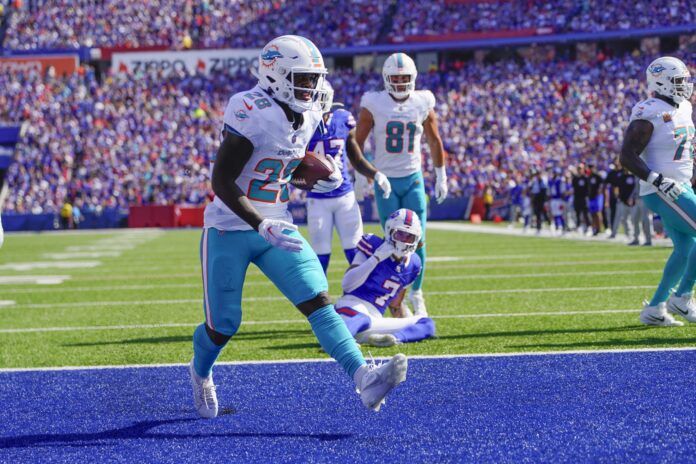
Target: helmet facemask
[326, 96]
[400, 85]
[404, 241]
[682, 88]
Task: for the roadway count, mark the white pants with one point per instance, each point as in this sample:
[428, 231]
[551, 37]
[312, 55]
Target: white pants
[325, 213]
[557, 207]
[378, 323]
[2, 234]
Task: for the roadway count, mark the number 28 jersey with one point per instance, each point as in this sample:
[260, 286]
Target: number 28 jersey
[387, 278]
[670, 150]
[398, 127]
[278, 150]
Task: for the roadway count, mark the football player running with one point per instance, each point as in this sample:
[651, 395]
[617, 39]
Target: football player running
[335, 137]
[266, 131]
[658, 147]
[380, 269]
[399, 115]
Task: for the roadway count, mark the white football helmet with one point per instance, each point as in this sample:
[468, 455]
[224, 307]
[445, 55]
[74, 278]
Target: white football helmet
[671, 78]
[395, 66]
[326, 97]
[292, 69]
[403, 231]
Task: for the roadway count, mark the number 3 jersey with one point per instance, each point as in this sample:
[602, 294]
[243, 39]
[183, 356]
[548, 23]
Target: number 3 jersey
[387, 278]
[278, 150]
[398, 127]
[330, 140]
[671, 148]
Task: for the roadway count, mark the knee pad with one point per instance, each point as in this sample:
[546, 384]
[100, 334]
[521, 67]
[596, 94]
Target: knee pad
[318, 302]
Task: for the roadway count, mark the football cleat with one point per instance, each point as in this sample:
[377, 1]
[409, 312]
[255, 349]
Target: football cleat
[418, 303]
[204, 396]
[684, 306]
[382, 340]
[380, 379]
[657, 316]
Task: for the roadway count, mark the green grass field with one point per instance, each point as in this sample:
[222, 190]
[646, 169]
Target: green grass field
[488, 294]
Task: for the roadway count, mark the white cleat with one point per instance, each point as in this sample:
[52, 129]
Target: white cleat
[204, 396]
[382, 340]
[684, 306]
[418, 303]
[379, 380]
[657, 316]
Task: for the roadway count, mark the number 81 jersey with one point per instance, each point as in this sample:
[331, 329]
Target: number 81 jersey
[278, 150]
[398, 127]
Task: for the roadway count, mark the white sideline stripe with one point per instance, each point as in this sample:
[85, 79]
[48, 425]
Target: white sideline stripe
[545, 233]
[302, 321]
[83, 254]
[104, 247]
[6, 303]
[512, 354]
[82, 304]
[34, 280]
[29, 266]
[262, 283]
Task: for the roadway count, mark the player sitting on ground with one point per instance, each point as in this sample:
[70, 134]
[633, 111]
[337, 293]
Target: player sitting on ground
[380, 269]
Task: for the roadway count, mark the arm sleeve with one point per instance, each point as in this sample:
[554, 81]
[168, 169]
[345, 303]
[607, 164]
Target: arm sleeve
[356, 276]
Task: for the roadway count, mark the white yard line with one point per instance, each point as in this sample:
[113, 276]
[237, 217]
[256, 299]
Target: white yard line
[32, 280]
[83, 304]
[6, 303]
[82, 255]
[327, 359]
[254, 283]
[30, 266]
[302, 321]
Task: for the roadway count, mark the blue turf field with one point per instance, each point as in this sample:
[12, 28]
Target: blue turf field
[603, 407]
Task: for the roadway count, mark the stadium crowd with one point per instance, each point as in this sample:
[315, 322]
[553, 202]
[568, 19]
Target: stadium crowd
[148, 139]
[237, 23]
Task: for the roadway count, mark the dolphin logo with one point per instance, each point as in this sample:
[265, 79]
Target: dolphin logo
[271, 55]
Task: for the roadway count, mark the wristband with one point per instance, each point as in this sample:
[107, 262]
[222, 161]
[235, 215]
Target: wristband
[654, 178]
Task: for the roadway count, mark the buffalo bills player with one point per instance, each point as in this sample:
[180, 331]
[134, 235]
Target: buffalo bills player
[382, 267]
[335, 137]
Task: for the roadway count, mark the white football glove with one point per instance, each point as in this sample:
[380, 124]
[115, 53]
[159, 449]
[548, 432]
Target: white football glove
[333, 182]
[440, 184]
[272, 230]
[669, 188]
[383, 183]
[384, 251]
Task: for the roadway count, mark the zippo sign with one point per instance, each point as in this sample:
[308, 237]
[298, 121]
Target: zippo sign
[204, 61]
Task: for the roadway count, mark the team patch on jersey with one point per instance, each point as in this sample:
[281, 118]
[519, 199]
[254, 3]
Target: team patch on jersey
[241, 115]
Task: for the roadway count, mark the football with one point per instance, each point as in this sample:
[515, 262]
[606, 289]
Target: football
[314, 166]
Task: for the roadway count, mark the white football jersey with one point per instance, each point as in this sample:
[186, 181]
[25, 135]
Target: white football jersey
[671, 148]
[398, 129]
[278, 150]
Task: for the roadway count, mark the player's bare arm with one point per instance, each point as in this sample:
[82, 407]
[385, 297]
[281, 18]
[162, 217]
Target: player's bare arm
[356, 157]
[365, 124]
[636, 139]
[432, 134]
[234, 152]
[437, 153]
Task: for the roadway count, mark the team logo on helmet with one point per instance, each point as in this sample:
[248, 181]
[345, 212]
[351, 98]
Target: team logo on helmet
[269, 57]
[656, 70]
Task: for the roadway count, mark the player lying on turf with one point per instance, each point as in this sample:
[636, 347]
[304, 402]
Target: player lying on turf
[380, 269]
[266, 131]
[335, 137]
[659, 148]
